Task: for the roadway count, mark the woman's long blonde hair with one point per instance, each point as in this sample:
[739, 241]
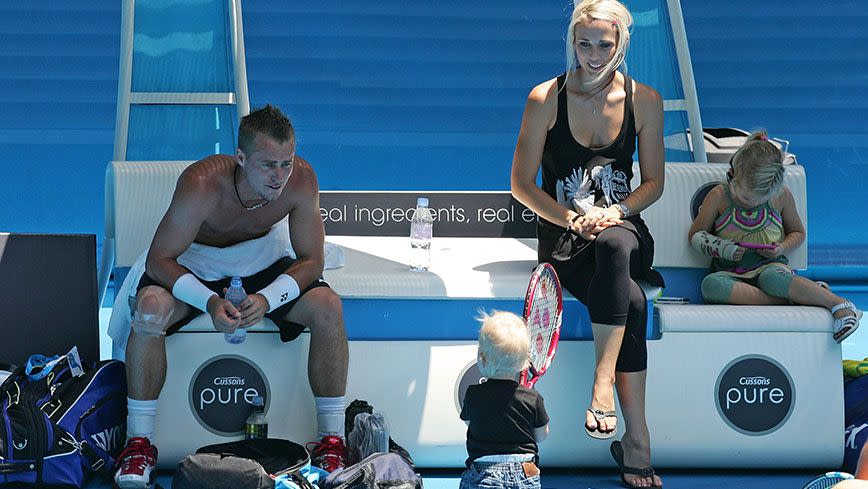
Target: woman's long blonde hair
[608, 10]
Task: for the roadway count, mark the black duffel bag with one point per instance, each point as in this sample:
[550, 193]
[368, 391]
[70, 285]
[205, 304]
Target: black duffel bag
[246, 464]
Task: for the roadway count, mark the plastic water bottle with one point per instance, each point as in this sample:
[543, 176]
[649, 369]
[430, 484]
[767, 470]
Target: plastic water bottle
[236, 296]
[370, 435]
[421, 231]
[256, 425]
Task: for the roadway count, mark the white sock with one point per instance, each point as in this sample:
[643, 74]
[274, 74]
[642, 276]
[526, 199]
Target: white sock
[141, 418]
[330, 412]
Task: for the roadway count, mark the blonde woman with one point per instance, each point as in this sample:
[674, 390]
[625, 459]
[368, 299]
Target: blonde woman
[747, 226]
[505, 421]
[582, 129]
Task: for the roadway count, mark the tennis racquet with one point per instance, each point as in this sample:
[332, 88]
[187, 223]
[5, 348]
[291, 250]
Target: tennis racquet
[543, 305]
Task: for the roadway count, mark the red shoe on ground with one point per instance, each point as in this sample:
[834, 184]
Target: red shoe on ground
[136, 465]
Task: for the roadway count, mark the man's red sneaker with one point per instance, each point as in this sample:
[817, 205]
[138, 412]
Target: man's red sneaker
[136, 465]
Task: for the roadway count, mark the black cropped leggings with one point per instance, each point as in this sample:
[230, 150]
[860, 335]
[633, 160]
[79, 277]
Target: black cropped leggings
[602, 278]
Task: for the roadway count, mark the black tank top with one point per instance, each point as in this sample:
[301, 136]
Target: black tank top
[574, 174]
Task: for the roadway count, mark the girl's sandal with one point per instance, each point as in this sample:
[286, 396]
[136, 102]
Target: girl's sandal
[845, 326]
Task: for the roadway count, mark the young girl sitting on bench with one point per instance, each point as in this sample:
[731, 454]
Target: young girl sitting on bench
[747, 226]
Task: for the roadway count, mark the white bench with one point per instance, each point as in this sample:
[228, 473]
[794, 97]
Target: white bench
[411, 342]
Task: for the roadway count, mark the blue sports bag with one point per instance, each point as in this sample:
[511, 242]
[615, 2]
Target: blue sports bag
[61, 421]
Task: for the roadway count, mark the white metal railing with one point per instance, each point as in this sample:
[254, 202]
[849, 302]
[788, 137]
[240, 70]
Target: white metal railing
[126, 97]
[685, 66]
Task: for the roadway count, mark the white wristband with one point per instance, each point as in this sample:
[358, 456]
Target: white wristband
[282, 290]
[189, 289]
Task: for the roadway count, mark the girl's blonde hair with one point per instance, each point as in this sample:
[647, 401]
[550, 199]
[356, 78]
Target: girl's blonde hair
[758, 165]
[504, 341]
[608, 10]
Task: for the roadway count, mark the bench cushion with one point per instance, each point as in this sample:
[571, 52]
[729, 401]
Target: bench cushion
[691, 318]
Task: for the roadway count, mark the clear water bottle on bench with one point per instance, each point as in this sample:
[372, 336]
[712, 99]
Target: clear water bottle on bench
[421, 231]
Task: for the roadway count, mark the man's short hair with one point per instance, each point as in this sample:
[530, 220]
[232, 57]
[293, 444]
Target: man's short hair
[267, 121]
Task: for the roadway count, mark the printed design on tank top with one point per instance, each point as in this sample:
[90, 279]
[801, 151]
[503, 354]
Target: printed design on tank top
[597, 180]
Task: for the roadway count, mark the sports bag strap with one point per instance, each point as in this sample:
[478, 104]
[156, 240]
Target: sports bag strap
[357, 479]
[16, 467]
[301, 480]
[13, 393]
[39, 366]
[97, 463]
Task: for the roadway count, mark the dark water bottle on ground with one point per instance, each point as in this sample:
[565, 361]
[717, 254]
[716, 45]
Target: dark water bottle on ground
[256, 425]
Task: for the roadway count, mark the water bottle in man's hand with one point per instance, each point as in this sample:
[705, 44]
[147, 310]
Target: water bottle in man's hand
[236, 295]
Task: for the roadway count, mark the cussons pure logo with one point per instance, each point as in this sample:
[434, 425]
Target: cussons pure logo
[222, 390]
[755, 395]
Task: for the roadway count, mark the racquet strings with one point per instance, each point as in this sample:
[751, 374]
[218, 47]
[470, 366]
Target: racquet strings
[542, 318]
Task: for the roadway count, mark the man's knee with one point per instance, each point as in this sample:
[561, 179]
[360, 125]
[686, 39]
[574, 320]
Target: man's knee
[716, 288]
[153, 309]
[327, 309]
[154, 300]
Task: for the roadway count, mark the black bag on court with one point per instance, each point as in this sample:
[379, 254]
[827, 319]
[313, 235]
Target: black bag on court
[245, 464]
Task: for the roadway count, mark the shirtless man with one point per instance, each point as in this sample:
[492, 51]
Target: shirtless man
[236, 205]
